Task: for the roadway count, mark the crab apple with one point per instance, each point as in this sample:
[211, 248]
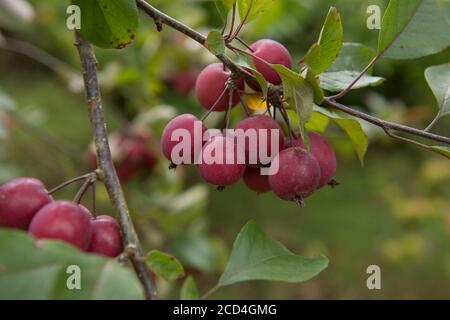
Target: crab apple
[187, 122]
[298, 174]
[183, 81]
[255, 181]
[63, 220]
[106, 238]
[220, 163]
[20, 199]
[272, 52]
[211, 82]
[324, 154]
[262, 126]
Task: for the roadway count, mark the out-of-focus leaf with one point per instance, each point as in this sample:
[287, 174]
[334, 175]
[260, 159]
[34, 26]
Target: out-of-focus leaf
[189, 290]
[200, 252]
[339, 80]
[438, 78]
[224, 7]
[164, 265]
[413, 29]
[318, 122]
[108, 23]
[6, 102]
[257, 257]
[322, 54]
[252, 8]
[215, 42]
[39, 270]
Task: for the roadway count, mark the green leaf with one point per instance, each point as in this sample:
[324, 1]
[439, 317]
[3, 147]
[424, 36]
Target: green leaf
[438, 78]
[165, 265]
[252, 8]
[413, 29]
[38, 270]
[339, 80]
[322, 54]
[353, 130]
[215, 42]
[445, 151]
[189, 290]
[245, 61]
[314, 82]
[353, 56]
[299, 95]
[224, 7]
[257, 257]
[108, 23]
[318, 122]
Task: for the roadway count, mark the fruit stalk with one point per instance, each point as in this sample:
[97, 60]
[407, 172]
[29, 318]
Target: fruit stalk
[108, 173]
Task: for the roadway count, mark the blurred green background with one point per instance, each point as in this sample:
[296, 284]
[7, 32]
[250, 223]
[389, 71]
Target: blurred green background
[393, 212]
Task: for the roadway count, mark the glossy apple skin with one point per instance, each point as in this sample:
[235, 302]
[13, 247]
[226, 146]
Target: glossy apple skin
[298, 175]
[210, 84]
[324, 154]
[106, 239]
[272, 52]
[255, 181]
[20, 200]
[63, 220]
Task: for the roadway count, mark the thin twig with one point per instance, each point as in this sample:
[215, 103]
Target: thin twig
[386, 124]
[108, 172]
[69, 182]
[359, 76]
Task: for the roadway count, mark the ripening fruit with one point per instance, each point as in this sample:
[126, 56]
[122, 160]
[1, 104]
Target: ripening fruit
[324, 154]
[211, 82]
[63, 220]
[258, 124]
[272, 52]
[20, 199]
[183, 81]
[106, 238]
[221, 168]
[187, 122]
[255, 181]
[298, 175]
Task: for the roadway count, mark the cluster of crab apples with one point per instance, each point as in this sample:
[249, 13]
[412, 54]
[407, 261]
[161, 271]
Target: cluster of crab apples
[26, 204]
[300, 170]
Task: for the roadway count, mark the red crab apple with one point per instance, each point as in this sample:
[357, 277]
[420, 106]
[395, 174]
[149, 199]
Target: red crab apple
[324, 154]
[271, 52]
[255, 181]
[261, 127]
[106, 238]
[188, 123]
[63, 220]
[220, 165]
[20, 199]
[298, 174]
[211, 82]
